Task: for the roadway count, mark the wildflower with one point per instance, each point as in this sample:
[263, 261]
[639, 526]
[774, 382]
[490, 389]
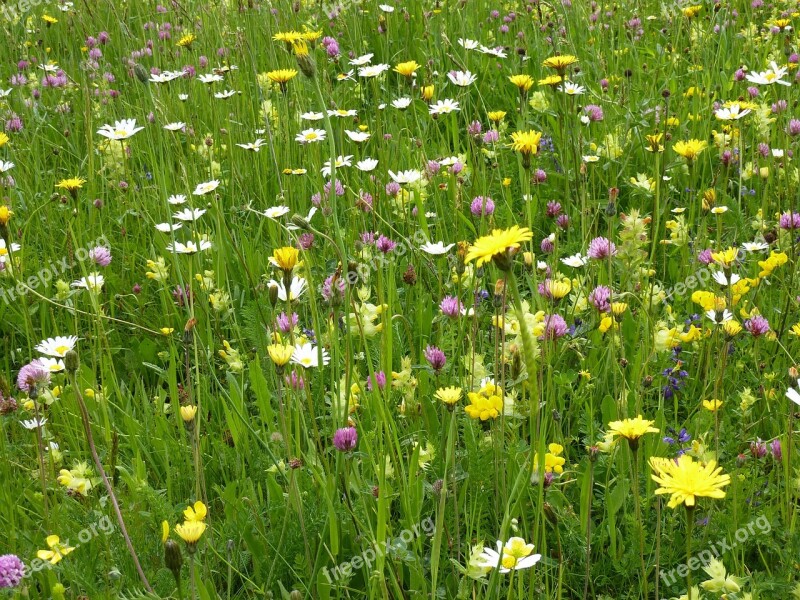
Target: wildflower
[286, 258]
[772, 75]
[407, 69]
[632, 429]
[449, 395]
[186, 40]
[307, 356]
[57, 346]
[523, 82]
[486, 403]
[553, 461]
[443, 107]
[436, 249]
[720, 582]
[309, 136]
[501, 245]
[436, 358]
[280, 354]
[72, 185]
[56, 551]
[731, 113]
[345, 439]
[12, 571]
[282, 77]
[188, 413]
[690, 149]
[514, 555]
[461, 78]
[686, 480]
[600, 248]
[712, 405]
[757, 325]
[196, 512]
[121, 130]
[526, 142]
[190, 532]
[560, 62]
[5, 215]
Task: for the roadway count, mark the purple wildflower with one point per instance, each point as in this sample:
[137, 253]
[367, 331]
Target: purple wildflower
[32, 375]
[345, 439]
[482, 206]
[436, 358]
[101, 256]
[11, 570]
[757, 325]
[554, 327]
[601, 247]
[600, 298]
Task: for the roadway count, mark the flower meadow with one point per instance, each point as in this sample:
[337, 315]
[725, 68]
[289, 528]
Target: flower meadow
[414, 299]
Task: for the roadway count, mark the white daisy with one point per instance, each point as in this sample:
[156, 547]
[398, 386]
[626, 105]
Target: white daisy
[461, 78]
[206, 187]
[54, 365]
[296, 288]
[189, 247]
[309, 136]
[576, 260]
[176, 199]
[468, 44]
[402, 103]
[733, 113]
[772, 75]
[57, 346]
[210, 78]
[176, 126]
[410, 176]
[357, 136]
[307, 355]
[367, 164]
[224, 95]
[443, 107]
[436, 249]
[92, 282]
[6, 165]
[312, 116]
[341, 161]
[33, 423]
[254, 146]
[273, 212]
[168, 227]
[165, 77]
[121, 130]
[189, 214]
[362, 60]
[373, 70]
[340, 112]
[571, 89]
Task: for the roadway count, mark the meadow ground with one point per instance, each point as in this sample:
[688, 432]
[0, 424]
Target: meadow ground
[423, 299]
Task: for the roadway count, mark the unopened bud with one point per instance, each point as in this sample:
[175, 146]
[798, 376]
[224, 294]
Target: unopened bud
[173, 559]
[71, 361]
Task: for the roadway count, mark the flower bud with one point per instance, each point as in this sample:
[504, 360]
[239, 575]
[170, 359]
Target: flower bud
[71, 361]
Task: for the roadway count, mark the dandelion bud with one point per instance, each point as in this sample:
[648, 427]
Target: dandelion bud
[306, 64]
[173, 559]
[141, 73]
[301, 222]
[273, 295]
[295, 595]
[71, 361]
